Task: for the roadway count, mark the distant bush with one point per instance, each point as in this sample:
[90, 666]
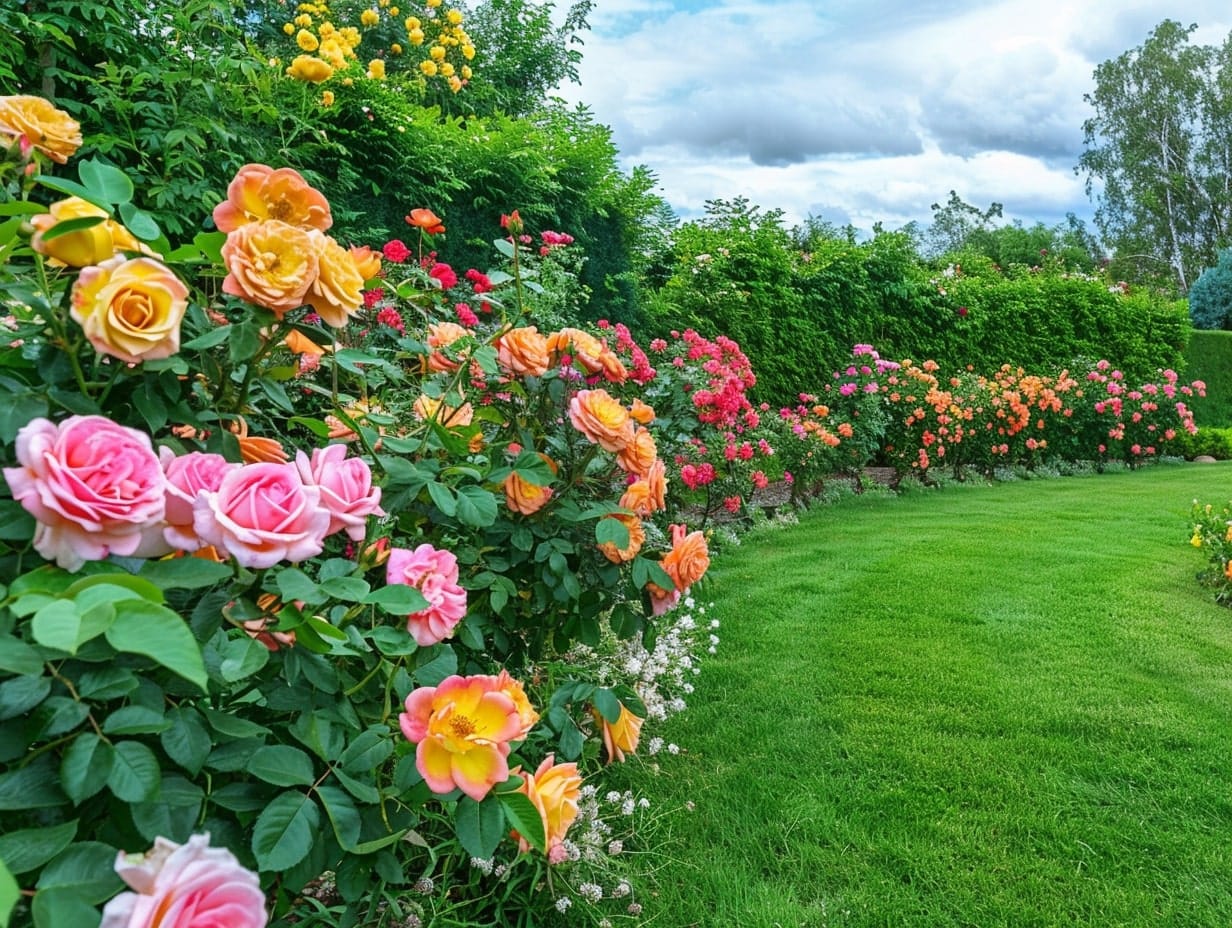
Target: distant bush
[1208, 357]
[1210, 298]
[1214, 442]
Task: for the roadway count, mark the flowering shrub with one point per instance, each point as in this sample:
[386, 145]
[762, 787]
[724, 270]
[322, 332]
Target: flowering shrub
[1212, 535]
[295, 565]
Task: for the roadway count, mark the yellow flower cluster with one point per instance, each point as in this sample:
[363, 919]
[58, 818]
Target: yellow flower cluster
[327, 48]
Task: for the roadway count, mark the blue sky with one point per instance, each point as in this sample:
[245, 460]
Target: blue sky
[862, 111]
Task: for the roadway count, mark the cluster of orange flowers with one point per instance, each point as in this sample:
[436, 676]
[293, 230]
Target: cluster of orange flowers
[327, 48]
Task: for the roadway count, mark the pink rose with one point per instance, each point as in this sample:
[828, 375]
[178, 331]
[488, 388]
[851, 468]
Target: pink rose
[188, 885]
[94, 487]
[262, 514]
[435, 574]
[187, 475]
[346, 488]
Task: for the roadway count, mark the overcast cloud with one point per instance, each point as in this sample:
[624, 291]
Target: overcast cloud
[862, 111]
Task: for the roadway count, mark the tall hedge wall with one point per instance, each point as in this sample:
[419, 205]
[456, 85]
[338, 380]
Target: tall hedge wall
[1208, 357]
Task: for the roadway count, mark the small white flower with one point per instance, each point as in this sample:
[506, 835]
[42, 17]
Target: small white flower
[613, 849]
[673, 749]
[592, 892]
[563, 903]
[621, 889]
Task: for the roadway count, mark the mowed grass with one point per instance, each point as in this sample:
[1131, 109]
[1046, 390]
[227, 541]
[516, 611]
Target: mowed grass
[988, 706]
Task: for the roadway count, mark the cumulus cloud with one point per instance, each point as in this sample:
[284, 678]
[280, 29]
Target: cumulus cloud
[863, 112]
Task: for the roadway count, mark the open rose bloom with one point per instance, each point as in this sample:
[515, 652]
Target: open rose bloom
[188, 885]
[435, 574]
[93, 486]
[554, 790]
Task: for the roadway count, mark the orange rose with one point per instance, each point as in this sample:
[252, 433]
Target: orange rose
[637, 499]
[640, 412]
[638, 455]
[441, 334]
[613, 368]
[50, 130]
[427, 407]
[337, 290]
[427, 220]
[656, 479]
[130, 309]
[255, 449]
[270, 263]
[554, 790]
[619, 738]
[585, 348]
[689, 558]
[83, 247]
[637, 537]
[602, 419]
[525, 497]
[299, 343]
[523, 351]
[367, 261]
[527, 716]
[258, 192]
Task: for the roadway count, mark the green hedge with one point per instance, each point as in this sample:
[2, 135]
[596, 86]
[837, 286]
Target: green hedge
[1209, 358]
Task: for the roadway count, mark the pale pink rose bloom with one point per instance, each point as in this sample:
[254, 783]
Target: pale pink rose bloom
[188, 885]
[262, 514]
[187, 475]
[435, 574]
[93, 486]
[346, 488]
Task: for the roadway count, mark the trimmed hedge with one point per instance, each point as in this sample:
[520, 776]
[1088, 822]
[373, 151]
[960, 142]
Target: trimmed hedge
[1208, 358]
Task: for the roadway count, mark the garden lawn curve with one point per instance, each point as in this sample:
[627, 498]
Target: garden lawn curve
[1004, 705]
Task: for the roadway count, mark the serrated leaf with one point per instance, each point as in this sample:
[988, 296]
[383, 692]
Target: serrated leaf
[400, 599]
[347, 589]
[524, 818]
[21, 694]
[608, 705]
[232, 726]
[106, 183]
[476, 507]
[185, 573]
[367, 751]
[480, 825]
[173, 813]
[135, 720]
[154, 631]
[342, 815]
[59, 906]
[284, 832]
[58, 625]
[432, 672]
[241, 658]
[282, 765]
[86, 766]
[30, 848]
[135, 775]
[86, 868]
[186, 740]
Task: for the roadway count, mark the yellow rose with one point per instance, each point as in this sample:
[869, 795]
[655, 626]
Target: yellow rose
[369, 17]
[437, 52]
[289, 28]
[415, 36]
[432, 4]
[428, 67]
[446, 69]
[395, 49]
[466, 72]
[50, 130]
[412, 23]
[337, 292]
[307, 68]
[271, 264]
[84, 247]
[376, 69]
[306, 40]
[327, 98]
[468, 52]
[130, 308]
[453, 17]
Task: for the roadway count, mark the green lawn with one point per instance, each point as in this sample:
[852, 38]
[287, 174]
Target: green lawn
[981, 706]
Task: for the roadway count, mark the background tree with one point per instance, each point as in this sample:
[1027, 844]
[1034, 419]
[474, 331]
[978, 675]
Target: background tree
[1158, 151]
[1210, 298]
[954, 223]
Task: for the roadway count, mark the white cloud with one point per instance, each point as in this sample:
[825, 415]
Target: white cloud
[871, 110]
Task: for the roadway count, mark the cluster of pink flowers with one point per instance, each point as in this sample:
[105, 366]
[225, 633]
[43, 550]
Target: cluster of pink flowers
[552, 240]
[636, 360]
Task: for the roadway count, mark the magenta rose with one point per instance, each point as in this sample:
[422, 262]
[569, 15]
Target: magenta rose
[187, 475]
[262, 514]
[346, 488]
[435, 574]
[188, 885]
[93, 486]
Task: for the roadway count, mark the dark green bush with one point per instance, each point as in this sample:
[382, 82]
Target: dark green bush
[1214, 442]
[1208, 357]
[1210, 297]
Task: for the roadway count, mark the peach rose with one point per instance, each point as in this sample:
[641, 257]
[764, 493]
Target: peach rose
[656, 481]
[50, 130]
[271, 264]
[337, 292]
[258, 192]
[441, 334]
[525, 497]
[367, 261]
[585, 348]
[93, 486]
[299, 343]
[686, 563]
[185, 886]
[554, 790]
[186, 476]
[83, 247]
[641, 412]
[620, 737]
[130, 308]
[527, 716]
[636, 498]
[637, 537]
[346, 488]
[601, 418]
[523, 352]
[639, 455]
[427, 407]
[262, 514]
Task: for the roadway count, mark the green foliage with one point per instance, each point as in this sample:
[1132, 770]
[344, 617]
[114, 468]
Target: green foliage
[1210, 298]
[1208, 357]
[1208, 440]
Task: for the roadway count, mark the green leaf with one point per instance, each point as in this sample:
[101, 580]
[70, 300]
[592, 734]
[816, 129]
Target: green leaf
[15, 523]
[211, 339]
[282, 765]
[476, 507]
[369, 750]
[30, 848]
[135, 720]
[186, 740]
[69, 226]
[54, 908]
[342, 815]
[524, 818]
[140, 223]
[284, 833]
[21, 694]
[10, 893]
[34, 786]
[364, 792]
[245, 342]
[106, 682]
[232, 726]
[173, 813]
[241, 658]
[393, 642]
[608, 705]
[347, 589]
[105, 183]
[480, 825]
[432, 672]
[86, 766]
[443, 498]
[398, 599]
[156, 632]
[135, 774]
[58, 625]
[87, 868]
[612, 531]
[184, 573]
[376, 844]
[294, 584]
